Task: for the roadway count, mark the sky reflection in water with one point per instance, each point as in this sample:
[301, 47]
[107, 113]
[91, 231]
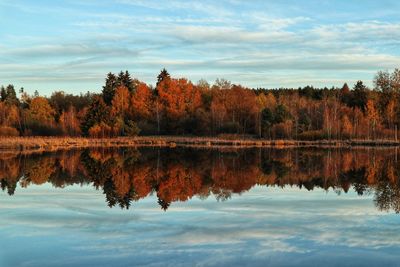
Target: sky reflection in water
[265, 226]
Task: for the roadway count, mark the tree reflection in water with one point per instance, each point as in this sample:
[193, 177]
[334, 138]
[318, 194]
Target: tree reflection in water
[177, 174]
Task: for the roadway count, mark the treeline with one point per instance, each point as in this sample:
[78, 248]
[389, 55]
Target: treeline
[128, 107]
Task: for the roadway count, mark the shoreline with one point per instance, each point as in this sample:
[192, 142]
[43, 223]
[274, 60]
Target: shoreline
[66, 143]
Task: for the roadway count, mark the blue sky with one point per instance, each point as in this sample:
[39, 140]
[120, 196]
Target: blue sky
[49, 45]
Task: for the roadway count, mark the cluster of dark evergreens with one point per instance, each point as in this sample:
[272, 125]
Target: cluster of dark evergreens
[127, 107]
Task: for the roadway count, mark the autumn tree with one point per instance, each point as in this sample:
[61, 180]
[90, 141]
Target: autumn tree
[346, 127]
[179, 100]
[120, 102]
[40, 117]
[41, 111]
[390, 114]
[69, 122]
[62, 102]
[9, 119]
[141, 102]
[144, 108]
[373, 117]
[122, 123]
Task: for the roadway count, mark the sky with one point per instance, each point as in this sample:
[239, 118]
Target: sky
[49, 45]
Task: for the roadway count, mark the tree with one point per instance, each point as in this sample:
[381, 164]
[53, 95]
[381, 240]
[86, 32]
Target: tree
[120, 102]
[345, 94]
[40, 111]
[124, 78]
[382, 81]
[9, 119]
[179, 100]
[97, 113]
[359, 96]
[100, 130]
[114, 81]
[39, 118]
[120, 109]
[142, 102]
[267, 120]
[395, 80]
[109, 88]
[3, 94]
[346, 127]
[261, 100]
[281, 114]
[69, 122]
[131, 129]
[218, 109]
[390, 114]
[162, 76]
[222, 84]
[373, 116]
[203, 85]
[305, 121]
[11, 95]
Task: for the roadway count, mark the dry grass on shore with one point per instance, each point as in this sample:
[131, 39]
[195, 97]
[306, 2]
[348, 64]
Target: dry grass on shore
[57, 143]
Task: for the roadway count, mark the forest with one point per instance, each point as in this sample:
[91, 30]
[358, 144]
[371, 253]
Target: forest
[177, 106]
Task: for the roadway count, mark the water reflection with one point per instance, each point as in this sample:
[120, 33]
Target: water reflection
[128, 175]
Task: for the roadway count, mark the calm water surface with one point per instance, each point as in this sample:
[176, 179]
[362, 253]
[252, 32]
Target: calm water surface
[197, 207]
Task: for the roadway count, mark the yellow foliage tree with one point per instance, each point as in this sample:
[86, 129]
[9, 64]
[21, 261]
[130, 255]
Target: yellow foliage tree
[41, 111]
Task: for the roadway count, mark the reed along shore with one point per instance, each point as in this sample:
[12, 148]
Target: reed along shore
[61, 143]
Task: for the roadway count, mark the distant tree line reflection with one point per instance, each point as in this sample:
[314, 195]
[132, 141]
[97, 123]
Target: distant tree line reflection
[128, 175]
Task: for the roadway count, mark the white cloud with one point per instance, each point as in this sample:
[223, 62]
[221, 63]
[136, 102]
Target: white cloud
[203, 39]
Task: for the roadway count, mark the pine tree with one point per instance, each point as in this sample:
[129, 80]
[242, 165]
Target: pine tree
[359, 96]
[11, 95]
[124, 78]
[3, 94]
[162, 76]
[97, 113]
[109, 88]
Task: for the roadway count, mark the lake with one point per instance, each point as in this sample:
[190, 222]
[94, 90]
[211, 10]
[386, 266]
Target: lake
[201, 207]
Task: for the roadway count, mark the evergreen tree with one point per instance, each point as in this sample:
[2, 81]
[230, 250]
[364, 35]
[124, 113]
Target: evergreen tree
[267, 119]
[11, 95]
[359, 96]
[3, 94]
[113, 82]
[98, 113]
[281, 114]
[163, 75]
[109, 88]
[124, 78]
